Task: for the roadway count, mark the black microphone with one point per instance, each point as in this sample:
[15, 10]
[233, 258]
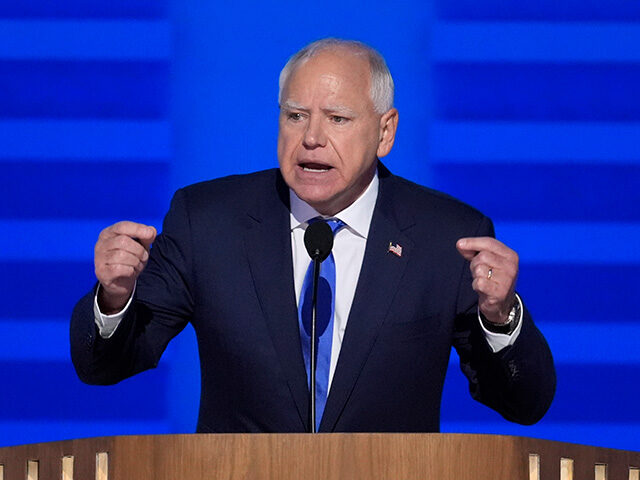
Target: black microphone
[318, 240]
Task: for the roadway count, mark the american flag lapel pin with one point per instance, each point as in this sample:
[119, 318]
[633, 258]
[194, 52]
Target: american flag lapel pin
[395, 248]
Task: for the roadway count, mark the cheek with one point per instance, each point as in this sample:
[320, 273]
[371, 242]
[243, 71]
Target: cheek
[286, 147]
[281, 146]
[357, 150]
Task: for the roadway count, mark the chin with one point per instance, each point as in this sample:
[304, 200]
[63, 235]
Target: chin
[321, 202]
[317, 202]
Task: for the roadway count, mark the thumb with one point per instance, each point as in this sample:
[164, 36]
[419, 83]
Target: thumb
[147, 235]
[467, 253]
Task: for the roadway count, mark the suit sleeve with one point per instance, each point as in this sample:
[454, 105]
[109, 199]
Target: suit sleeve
[518, 381]
[161, 308]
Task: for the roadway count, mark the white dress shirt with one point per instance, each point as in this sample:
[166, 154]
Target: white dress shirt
[348, 251]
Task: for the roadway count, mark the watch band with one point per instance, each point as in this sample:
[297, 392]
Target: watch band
[505, 328]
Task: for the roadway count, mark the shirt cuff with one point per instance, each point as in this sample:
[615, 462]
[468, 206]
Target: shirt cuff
[107, 324]
[498, 341]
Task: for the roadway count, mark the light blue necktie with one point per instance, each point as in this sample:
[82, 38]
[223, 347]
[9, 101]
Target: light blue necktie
[325, 309]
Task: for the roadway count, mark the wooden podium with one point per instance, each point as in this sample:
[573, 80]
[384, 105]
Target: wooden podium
[321, 456]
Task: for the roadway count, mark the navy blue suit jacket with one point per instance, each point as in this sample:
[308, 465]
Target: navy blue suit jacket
[223, 262]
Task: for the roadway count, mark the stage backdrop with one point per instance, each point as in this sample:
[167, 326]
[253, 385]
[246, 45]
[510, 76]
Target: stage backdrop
[528, 110]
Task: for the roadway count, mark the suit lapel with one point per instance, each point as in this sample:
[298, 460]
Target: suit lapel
[379, 279]
[268, 244]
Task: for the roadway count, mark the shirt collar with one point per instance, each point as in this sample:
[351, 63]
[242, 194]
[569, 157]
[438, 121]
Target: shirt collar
[357, 216]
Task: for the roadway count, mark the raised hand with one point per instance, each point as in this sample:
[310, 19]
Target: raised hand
[120, 255]
[494, 268]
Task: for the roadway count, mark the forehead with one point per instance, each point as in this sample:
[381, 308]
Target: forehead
[341, 75]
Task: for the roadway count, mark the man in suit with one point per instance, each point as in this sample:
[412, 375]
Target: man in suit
[415, 273]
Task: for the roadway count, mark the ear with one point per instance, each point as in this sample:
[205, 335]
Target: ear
[388, 127]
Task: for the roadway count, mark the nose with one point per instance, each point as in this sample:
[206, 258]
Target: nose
[314, 135]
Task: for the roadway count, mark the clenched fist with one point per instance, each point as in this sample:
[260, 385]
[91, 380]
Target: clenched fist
[121, 253]
[494, 268]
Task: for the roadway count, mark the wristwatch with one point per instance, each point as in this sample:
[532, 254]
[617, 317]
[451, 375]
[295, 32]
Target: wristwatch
[505, 328]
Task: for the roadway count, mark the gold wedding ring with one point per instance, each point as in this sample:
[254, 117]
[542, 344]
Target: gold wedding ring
[490, 273]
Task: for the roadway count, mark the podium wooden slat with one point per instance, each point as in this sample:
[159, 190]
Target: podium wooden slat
[321, 456]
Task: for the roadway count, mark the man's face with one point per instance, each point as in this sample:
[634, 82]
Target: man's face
[330, 135]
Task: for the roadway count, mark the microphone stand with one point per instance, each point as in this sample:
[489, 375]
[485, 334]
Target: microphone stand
[313, 359]
[318, 240]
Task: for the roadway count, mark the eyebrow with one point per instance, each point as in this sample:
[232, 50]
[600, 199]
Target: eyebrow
[337, 109]
[289, 105]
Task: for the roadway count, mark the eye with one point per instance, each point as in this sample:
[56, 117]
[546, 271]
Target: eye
[294, 116]
[338, 119]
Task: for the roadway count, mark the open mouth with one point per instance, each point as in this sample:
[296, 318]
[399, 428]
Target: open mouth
[315, 167]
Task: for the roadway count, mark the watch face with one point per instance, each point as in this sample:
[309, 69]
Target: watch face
[514, 315]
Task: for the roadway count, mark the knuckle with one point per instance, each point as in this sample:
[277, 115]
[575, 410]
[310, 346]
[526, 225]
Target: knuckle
[105, 232]
[99, 262]
[98, 270]
[141, 252]
[109, 256]
[127, 258]
[121, 241]
[482, 257]
[139, 268]
[472, 263]
[114, 272]
[123, 271]
[118, 256]
[121, 224]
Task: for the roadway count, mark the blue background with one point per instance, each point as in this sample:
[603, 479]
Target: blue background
[528, 110]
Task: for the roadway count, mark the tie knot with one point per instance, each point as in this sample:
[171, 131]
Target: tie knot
[335, 223]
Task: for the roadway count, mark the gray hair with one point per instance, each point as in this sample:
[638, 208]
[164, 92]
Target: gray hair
[381, 81]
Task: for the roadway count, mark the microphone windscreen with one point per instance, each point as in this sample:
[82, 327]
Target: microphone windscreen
[318, 240]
